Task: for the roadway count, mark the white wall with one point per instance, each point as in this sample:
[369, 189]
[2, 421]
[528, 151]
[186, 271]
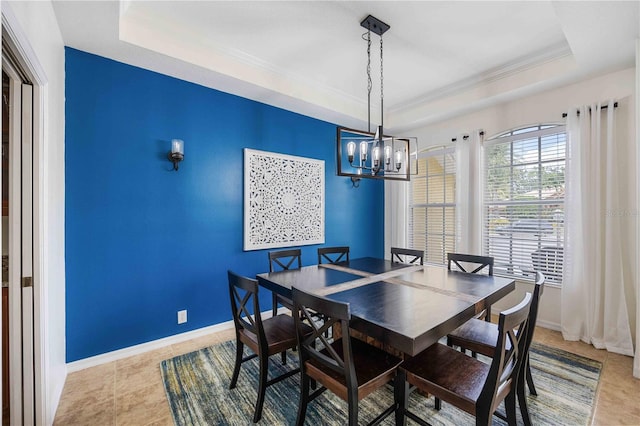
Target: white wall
[544, 107]
[38, 23]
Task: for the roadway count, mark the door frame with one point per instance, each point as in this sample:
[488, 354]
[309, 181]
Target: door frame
[18, 43]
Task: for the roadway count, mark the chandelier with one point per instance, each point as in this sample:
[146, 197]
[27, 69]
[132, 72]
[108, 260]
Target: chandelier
[373, 154]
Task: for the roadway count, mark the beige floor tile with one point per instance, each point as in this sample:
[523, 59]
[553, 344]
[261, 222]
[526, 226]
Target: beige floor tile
[142, 406]
[543, 334]
[617, 404]
[88, 393]
[139, 371]
[76, 413]
[618, 369]
[96, 382]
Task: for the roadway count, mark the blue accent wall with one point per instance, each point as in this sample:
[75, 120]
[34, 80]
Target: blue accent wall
[143, 242]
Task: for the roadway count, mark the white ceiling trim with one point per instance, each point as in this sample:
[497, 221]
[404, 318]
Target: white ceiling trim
[175, 42]
[490, 91]
[505, 71]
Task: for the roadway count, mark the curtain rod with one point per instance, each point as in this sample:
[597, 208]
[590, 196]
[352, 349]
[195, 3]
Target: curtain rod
[465, 137]
[615, 105]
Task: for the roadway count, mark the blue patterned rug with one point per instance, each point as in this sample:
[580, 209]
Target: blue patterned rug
[197, 389]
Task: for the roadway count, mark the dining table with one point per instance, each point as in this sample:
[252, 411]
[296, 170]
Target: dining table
[407, 307]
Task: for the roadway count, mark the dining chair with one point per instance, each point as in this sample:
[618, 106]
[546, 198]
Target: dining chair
[350, 368]
[481, 337]
[404, 255]
[466, 382]
[333, 254]
[283, 260]
[472, 264]
[264, 338]
[479, 263]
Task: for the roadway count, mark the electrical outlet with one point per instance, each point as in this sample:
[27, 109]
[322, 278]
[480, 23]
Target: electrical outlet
[182, 316]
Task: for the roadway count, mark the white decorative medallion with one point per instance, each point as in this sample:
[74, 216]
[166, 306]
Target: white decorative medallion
[283, 200]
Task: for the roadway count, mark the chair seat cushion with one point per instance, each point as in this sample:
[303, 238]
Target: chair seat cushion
[476, 335]
[280, 332]
[448, 374]
[374, 367]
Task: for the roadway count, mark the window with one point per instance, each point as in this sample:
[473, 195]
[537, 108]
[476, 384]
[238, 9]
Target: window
[432, 205]
[524, 201]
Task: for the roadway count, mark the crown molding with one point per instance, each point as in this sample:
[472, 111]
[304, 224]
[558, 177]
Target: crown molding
[511, 68]
[143, 31]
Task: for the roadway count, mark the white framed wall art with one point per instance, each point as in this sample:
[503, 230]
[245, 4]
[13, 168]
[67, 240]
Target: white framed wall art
[283, 200]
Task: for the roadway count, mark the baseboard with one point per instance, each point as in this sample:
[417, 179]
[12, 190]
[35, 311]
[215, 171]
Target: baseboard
[145, 347]
[549, 325]
[153, 345]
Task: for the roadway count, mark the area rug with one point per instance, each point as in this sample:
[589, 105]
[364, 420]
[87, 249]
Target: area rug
[197, 387]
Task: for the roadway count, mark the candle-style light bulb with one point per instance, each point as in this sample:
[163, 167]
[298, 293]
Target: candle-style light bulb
[176, 155]
[387, 155]
[376, 157]
[363, 152]
[398, 159]
[351, 150]
[177, 146]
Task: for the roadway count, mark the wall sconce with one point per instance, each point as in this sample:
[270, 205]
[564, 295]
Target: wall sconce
[177, 152]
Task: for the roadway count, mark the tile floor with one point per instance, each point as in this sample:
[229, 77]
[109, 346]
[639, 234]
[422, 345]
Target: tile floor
[130, 391]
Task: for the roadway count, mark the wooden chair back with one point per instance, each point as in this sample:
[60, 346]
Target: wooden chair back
[480, 263]
[533, 313]
[404, 255]
[333, 254]
[306, 310]
[513, 327]
[284, 260]
[245, 307]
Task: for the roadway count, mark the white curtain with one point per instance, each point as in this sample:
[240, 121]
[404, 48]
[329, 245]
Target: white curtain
[469, 193]
[396, 215]
[600, 252]
[396, 208]
[636, 359]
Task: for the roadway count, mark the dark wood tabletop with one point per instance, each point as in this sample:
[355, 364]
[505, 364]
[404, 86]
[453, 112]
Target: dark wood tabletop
[405, 306]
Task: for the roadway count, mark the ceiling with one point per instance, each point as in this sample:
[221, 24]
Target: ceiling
[441, 58]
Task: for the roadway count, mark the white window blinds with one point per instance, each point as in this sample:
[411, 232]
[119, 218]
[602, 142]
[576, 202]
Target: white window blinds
[433, 208]
[524, 201]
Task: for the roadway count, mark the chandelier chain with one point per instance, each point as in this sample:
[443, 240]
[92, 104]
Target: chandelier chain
[369, 82]
[381, 85]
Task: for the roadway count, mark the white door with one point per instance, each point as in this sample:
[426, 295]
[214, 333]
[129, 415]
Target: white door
[21, 332]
